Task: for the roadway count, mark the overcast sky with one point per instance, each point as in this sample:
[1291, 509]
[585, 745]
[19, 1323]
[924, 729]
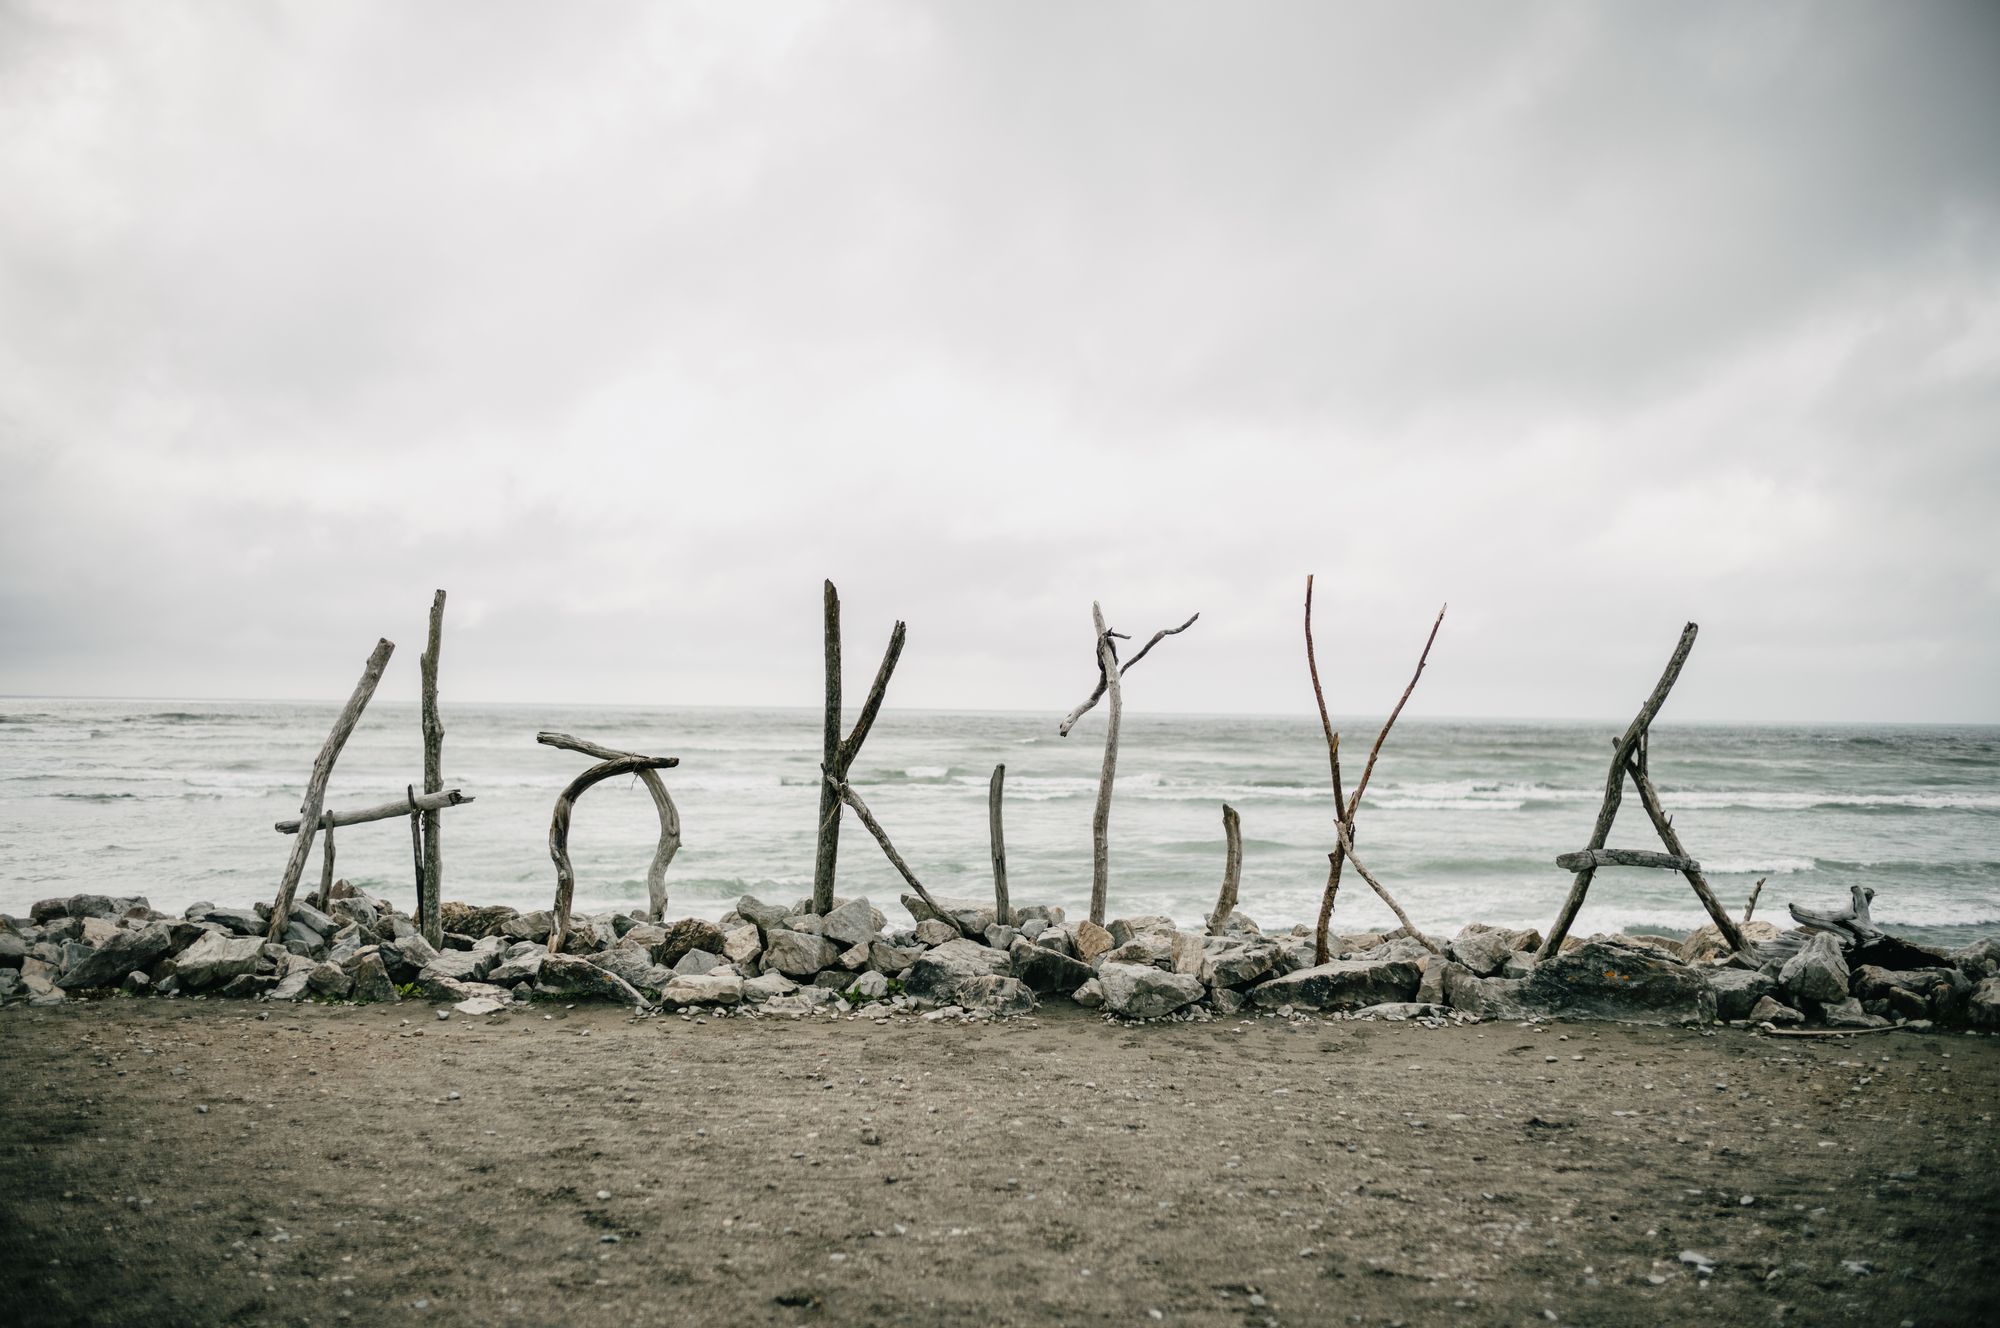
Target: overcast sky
[629, 323]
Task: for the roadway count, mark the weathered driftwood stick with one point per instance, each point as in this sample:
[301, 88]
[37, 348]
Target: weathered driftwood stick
[1649, 798]
[1614, 788]
[320, 900]
[430, 881]
[1624, 857]
[315, 801]
[1069, 720]
[838, 753]
[428, 802]
[559, 829]
[417, 847]
[663, 803]
[1232, 869]
[1755, 890]
[1321, 952]
[1003, 912]
[845, 792]
[1347, 847]
[1100, 816]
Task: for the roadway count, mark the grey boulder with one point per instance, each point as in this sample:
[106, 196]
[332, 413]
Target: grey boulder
[1342, 984]
[1141, 991]
[938, 975]
[1818, 972]
[130, 949]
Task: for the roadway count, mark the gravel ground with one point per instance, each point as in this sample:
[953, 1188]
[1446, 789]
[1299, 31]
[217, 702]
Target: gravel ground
[221, 1162]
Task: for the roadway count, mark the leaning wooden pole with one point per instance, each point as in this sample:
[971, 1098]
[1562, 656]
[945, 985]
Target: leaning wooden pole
[322, 771]
[1649, 798]
[1614, 789]
[429, 916]
[1321, 949]
[1003, 912]
[1232, 870]
[845, 792]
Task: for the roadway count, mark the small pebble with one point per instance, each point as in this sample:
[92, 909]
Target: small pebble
[443, 1015]
[202, 1109]
[604, 1194]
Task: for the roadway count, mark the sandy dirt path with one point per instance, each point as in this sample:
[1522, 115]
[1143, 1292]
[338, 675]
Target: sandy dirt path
[375, 1165]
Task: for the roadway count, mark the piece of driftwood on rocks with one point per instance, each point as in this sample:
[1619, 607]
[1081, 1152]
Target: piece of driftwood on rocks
[1345, 808]
[1003, 913]
[1109, 672]
[559, 825]
[427, 802]
[1755, 890]
[1628, 760]
[670, 816]
[837, 753]
[1232, 870]
[322, 771]
[417, 849]
[845, 792]
[430, 881]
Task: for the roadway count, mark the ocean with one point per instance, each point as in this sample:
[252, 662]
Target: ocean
[176, 801]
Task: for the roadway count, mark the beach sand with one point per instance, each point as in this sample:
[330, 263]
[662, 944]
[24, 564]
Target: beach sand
[376, 1165]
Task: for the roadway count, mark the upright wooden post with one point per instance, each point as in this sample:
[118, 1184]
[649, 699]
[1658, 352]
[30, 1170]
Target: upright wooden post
[1232, 870]
[322, 771]
[431, 885]
[1003, 912]
[1100, 816]
[829, 798]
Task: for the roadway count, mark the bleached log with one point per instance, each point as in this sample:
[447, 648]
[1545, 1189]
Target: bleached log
[426, 802]
[1003, 912]
[430, 881]
[1755, 890]
[1232, 870]
[559, 828]
[1614, 789]
[1624, 857]
[663, 803]
[322, 771]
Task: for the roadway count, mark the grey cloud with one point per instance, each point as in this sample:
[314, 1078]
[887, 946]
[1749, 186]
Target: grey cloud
[628, 325]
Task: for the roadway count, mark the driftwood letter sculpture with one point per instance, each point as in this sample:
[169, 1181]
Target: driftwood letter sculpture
[1628, 757]
[610, 763]
[837, 753]
[1345, 808]
[1109, 671]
